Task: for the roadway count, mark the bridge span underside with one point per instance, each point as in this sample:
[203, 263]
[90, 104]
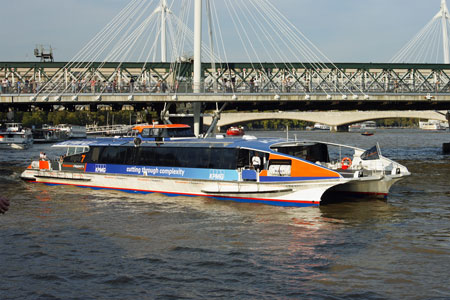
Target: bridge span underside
[243, 102]
[293, 86]
[332, 118]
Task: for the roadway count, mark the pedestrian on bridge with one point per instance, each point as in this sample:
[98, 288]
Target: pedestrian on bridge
[74, 86]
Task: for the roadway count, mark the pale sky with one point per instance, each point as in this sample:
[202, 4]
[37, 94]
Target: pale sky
[345, 30]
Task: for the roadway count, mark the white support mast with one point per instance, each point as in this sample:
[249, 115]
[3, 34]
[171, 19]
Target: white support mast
[163, 30]
[197, 62]
[198, 46]
[444, 15]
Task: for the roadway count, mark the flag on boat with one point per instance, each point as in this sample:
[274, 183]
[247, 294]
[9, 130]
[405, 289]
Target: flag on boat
[371, 154]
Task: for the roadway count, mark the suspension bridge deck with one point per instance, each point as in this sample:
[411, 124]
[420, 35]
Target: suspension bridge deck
[293, 85]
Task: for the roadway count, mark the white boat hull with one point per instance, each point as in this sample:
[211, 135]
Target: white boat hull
[373, 186]
[300, 193]
[16, 146]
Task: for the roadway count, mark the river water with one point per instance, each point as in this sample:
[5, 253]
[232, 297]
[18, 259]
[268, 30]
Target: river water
[73, 243]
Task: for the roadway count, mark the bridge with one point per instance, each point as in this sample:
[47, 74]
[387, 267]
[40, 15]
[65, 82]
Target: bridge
[343, 86]
[337, 120]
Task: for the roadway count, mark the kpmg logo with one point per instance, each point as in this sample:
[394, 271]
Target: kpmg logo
[216, 175]
[100, 168]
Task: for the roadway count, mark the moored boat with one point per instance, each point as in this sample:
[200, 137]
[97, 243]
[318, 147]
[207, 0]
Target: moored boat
[73, 131]
[289, 173]
[319, 126]
[432, 125]
[15, 136]
[49, 134]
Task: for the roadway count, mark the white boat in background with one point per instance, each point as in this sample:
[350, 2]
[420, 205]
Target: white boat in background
[15, 136]
[364, 127]
[369, 126]
[354, 127]
[319, 126]
[73, 131]
[432, 125]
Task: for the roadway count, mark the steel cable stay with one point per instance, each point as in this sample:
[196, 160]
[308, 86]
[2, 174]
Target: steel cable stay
[78, 59]
[87, 56]
[264, 36]
[424, 46]
[282, 33]
[258, 13]
[309, 47]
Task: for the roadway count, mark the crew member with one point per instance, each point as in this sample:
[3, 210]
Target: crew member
[256, 162]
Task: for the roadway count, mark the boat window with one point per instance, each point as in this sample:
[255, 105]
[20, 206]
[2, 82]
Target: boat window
[310, 152]
[223, 158]
[205, 158]
[178, 132]
[243, 159]
[95, 154]
[114, 155]
[166, 132]
[70, 151]
[76, 150]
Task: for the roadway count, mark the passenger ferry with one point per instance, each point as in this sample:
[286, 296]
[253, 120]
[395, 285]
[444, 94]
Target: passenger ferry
[166, 160]
[15, 136]
[432, 125]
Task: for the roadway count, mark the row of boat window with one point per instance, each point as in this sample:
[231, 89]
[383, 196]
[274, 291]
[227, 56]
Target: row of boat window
[209, 158]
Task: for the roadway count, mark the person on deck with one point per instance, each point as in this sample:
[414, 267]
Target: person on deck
[256, 162]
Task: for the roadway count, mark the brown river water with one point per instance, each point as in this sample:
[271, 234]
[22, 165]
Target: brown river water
[73, 243]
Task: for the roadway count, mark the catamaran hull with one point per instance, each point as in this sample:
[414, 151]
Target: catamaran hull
[368, 186]
[303, 193]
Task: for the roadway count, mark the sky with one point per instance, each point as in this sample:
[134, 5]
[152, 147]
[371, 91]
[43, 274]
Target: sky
[344, 30]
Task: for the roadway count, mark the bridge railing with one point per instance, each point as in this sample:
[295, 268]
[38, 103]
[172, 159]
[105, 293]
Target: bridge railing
[296, 88]
[239, 78]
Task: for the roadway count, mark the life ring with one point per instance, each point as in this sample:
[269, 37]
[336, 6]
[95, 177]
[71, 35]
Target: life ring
[346, 162]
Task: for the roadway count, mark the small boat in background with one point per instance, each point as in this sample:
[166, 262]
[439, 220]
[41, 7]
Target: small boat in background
[367, 133]
[235, 131]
